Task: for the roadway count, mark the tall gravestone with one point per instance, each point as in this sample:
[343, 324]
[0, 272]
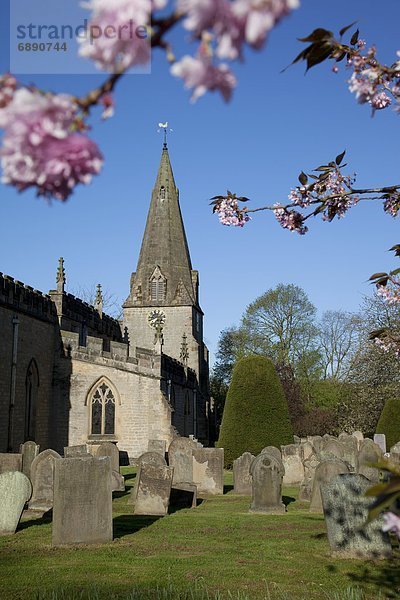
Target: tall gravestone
[346, 513]
[29, 451]
[42, 477]
[267, 473]
[380, 440]
[310, 464]
[15, 491]
[10, 462]
[180, 458]
[359, 436]
[147, 458]
[111, 450]
[241, 474]
[369, 454]
[324, 473]
[82, 511]
[208, 471]
[350, 450]
[153, 490]
[292, 458]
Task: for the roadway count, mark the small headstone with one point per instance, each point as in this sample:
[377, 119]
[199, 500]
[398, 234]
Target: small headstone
[29, 451]
[324, 473]
[159, 446]
[153, 490]
[317, 441]
[334, 447]
[180, 458]
[267, 473]
[310, 464]
[42, 477]
[148, 458]
[346, 512]
[76, 451]
[380, 440]
[15, 491]
[395, 453]
[111, 450]
[292, 461]
[208, 470]
[117, 482]
[10, 462]
[350, 450]
[183, 495]
[307, 449]
[82, 512]
[241, 474]
[369, 454]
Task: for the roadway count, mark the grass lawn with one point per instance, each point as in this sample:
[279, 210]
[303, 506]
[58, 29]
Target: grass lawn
[217, 547]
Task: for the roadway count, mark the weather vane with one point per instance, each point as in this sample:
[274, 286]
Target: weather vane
[164, 127]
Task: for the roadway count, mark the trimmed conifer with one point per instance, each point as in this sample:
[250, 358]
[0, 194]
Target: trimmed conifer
[389, 421]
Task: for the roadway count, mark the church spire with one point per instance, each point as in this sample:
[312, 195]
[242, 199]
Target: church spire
[164, 273]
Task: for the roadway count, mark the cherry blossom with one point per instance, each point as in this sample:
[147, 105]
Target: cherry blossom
[392, 523]
[8, 85]
[230, 214]
[200, 74]
[290, 219]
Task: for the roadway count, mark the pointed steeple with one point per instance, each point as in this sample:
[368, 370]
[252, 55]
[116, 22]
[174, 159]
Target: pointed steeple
[164, 274]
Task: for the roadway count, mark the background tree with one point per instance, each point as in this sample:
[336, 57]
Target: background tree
[338, 333]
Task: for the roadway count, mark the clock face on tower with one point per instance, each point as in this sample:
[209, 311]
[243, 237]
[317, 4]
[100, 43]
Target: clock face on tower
[156, 318]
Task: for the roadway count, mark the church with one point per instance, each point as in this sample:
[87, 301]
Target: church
[71, 375]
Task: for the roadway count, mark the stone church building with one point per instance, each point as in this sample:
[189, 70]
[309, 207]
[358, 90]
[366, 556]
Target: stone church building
[70, 374]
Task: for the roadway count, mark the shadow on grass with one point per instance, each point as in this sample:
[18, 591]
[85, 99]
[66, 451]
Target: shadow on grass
[288, 500]
[228, 488]
[130, 476]
[122, 494]
[383, 575]
[128, 524]
[35, 521]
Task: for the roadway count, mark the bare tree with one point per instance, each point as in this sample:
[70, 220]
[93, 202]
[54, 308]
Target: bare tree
[338, 339]
[111, 303]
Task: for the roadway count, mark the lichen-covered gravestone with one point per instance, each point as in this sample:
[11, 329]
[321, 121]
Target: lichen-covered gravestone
[350, 450]
[29, 451]
[267, 472]
[346, 513]
[369, 454]
[292, 456]
[153, 490]
[159, 446]
[241, 474]
[42, 477]
[310, 464]
[324, 473]
[15, 491]
[208, 471]
[180, 458]
[82, 511]
[148, 458]
[111, 450]
[10, 462]
[272, 450]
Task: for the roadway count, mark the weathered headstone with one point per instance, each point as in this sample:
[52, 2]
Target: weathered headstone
[324, 473]
[111, 450]
[15, 491]
[317, 441]
[333, 446]
[272, 450]
[346, 513]
[183, 495]
[359, 437]
[153, 490]
[369, 454]
[241, 474]
[29, 451]
[292, 461]
[42, 477]
[180, 458]
[159, 446]
[307, 449]
[267, 472]
[148, 458]
[208, 470]
[82, 511]
[380, 440]
[395, 453]
[10, 462]
[350, 450]
[76, 451]
[310, 464]
[117, 482]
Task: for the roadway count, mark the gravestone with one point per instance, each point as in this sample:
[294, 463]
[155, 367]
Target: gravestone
[180, 458]
[272, 450]
[395, 453]
[10, 462]
[82, 511]
[153, 490]
[117, 482]
[292, 461]
[307, 450]
[111, 450]
[29, 451]
[267, 472]
[183, 495]
[148, 458]
[334, 447]
[310, 464]
[208, 471]
[42, 478]
[76, 451]
[350, 450]
[15, 491]
[241, 474]
[317, 441]
[324, 473]
[369, 454]
[346, 513]
[159, 446]
[380, 440]
[359, 437]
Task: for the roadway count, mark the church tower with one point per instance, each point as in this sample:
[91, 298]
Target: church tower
[162, 310]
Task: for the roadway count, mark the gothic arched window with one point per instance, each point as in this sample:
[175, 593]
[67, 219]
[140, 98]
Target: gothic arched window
[158, 286]
[102, 410]
[31, 394]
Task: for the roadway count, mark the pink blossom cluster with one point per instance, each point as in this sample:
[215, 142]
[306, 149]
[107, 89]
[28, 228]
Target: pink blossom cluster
[234, 22]
[8, 86]
[392, 523]
[390, 292]
[290, 219]
[230, 214]
[392, 205]
[201, 75]
[117, 29]
[41, 148]
[387, 345]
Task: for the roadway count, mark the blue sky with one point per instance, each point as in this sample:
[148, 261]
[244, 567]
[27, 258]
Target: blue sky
[276, 125]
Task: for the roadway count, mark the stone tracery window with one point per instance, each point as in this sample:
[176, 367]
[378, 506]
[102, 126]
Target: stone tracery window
[31, 394]
[158, 286]
[102, 406]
